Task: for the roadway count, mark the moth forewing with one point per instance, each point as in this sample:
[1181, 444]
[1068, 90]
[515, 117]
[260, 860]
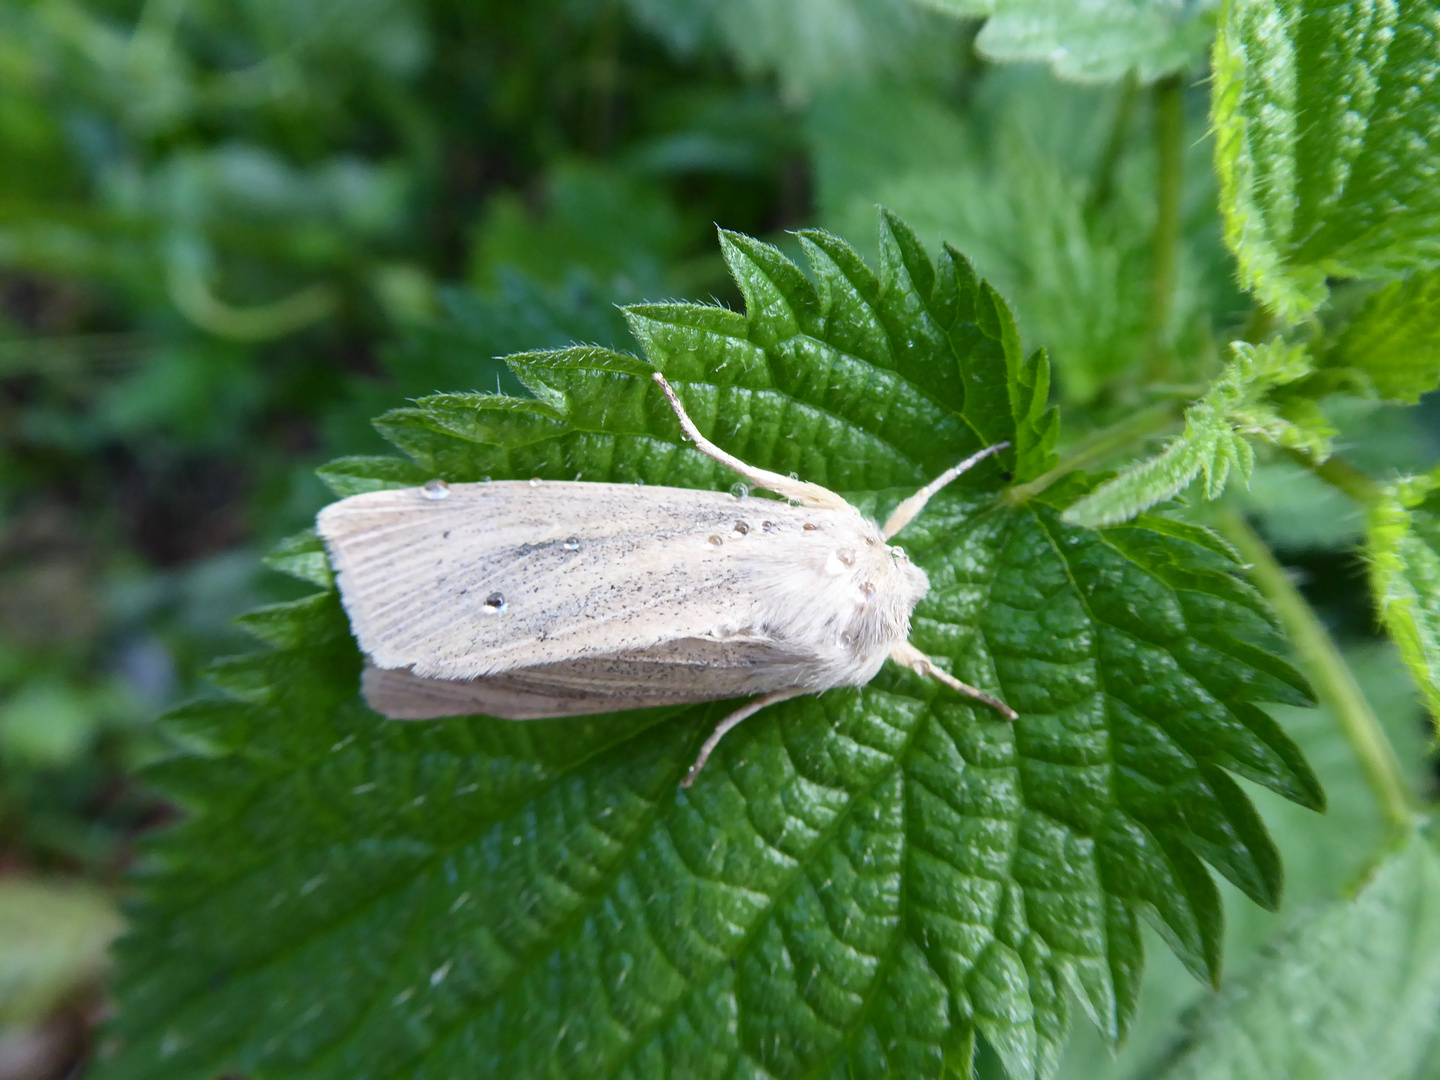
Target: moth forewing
[523, 600]
[507, 575]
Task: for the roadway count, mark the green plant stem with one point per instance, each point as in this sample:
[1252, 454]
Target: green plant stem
[1169, 98]
[1333, 681]
[1103, 188]
[1101, 445]
[1341, 475]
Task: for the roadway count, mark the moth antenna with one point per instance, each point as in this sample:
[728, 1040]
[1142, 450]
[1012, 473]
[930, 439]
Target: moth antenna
[918, 662]
[742, 713]
[905, 513]
[805, 493]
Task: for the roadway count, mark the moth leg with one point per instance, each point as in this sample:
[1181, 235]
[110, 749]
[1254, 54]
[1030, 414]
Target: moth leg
[918, 662]
[903, 514]
[743, 713]
[802, 492]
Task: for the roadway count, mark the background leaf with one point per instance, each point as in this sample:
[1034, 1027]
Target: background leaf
[53, 938]
[1020, 181]
[1395, 339]
[865, 880]
[1352, 990]
[1323, 143]
[1100, 40]
[808, 44]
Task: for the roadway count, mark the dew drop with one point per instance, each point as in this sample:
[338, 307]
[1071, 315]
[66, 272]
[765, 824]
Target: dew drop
[535, 481]
[846, 556]
[867, 590]
[715, 541]
[436, 489]
[484, 479]
[768, 526]
[740, 491]
[495, 603]
[794, 476]
[639, 482]
[741, 529]
[572, 544]
[810, 526]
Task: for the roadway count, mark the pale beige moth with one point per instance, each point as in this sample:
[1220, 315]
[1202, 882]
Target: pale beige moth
[524, 600]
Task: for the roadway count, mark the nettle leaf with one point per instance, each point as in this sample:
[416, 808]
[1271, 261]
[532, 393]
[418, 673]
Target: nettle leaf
[1324, 117]
[860, 883]
[1217, 434]
[1404, 548]
[1352, 990]
[1100, 40]
[1394, 340]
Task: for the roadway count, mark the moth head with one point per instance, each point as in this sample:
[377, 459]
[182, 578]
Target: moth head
[887, 585]
[911, 582]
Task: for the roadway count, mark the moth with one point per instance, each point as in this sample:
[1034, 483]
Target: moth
[524, 600]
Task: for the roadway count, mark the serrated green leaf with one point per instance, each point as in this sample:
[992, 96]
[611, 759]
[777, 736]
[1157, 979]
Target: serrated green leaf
[356, 475]
[1100, 40]
[302, 556]
[861, 882]
[1395, 339]
[1352, 990]
[1403, 529]
[1216, 435]
[1324, 142]
[1321, 864]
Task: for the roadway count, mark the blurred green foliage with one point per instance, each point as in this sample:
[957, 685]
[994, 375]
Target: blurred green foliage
[232, 231]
